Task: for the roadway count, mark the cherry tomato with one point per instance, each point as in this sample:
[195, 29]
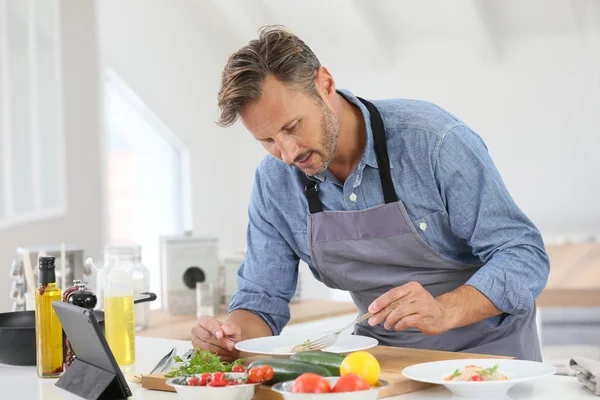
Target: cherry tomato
[476, 378]
[350, 383]
[255, 375]
[238, 368]
[193, 382]
[232, 383]
[268, 373]
[217, 379]
[204, 379]
[311, 383]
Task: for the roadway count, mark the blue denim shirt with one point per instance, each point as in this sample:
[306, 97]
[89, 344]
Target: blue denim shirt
[446, 179]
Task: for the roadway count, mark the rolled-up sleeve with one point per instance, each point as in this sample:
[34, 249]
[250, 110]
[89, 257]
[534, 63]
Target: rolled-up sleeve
[268, 276]
[482, 212]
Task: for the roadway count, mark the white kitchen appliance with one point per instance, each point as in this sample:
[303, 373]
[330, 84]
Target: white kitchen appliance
[185, 260]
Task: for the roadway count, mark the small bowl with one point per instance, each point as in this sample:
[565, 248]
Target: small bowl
[238, 392]
[284, 388]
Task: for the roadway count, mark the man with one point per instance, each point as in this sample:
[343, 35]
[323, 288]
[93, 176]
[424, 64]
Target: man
[396, 201]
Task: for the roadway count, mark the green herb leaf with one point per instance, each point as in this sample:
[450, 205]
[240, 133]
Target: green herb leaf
[202, 361]
[456, 372]
[489, 371]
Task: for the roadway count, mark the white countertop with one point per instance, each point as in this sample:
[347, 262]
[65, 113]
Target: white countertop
[23, 383]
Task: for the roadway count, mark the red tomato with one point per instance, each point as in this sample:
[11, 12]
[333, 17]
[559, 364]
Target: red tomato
[204, 379]
[217, 379]
[476, 378]
[311, 383]
[350, 383]
[238, 368]
[255, 375]
[267, 371]
[193, 382]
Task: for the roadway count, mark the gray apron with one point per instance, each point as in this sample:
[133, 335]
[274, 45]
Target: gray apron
[371, 251]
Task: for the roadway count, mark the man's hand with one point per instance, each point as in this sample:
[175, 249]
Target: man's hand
[217, 337]
[410, 306]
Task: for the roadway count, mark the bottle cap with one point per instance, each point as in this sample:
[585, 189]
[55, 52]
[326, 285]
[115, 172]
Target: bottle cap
[47, 263]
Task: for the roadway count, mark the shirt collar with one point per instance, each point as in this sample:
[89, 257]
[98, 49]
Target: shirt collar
[368, 157]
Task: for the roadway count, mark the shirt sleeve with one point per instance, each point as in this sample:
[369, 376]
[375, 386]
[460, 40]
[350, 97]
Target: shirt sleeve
[482, 212]
[268, 276]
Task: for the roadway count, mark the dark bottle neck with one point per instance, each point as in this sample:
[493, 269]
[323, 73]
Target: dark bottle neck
[47, 276]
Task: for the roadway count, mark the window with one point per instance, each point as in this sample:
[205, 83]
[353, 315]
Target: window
[147, 169]
[32, 171]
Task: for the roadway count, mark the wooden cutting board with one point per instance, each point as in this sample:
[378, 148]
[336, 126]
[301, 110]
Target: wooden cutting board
[392, 360]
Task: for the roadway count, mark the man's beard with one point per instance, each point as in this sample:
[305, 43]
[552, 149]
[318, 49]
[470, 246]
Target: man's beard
[329, 141]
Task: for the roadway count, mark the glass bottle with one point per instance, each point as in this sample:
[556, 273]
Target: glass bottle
[80, 296]
[119, 320]
[48, 330]
[131, 258]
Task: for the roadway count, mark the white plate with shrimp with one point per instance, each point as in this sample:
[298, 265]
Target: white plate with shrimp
[481, 378]
[285, 346]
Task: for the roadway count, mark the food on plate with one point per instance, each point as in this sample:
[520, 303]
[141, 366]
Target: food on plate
[314, 383]
[475, 373]
[287, 370]
[350, 383]
[220, 379]
[201, 362]
[216, 379]
[363, 364]
[331, 361]
[310, 383]
[301, 347]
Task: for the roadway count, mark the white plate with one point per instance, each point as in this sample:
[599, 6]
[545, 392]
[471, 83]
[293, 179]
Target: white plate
[281, 346]
[517, 371]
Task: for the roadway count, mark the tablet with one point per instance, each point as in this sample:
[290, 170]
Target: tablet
[88, 342]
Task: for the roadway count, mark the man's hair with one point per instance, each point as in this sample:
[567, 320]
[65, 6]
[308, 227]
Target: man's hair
[277, 52]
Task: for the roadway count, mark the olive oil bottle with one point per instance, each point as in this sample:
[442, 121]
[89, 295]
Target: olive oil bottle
[48, 330]
[119, 314]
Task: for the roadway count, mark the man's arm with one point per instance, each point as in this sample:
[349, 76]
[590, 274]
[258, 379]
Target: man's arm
[482, 212]
[267, 282]
[268, 276]
[466, 305]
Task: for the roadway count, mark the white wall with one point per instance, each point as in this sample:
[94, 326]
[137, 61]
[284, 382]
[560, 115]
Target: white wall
[82, 226]
[167, 56]
[534, 98]
[537, 110]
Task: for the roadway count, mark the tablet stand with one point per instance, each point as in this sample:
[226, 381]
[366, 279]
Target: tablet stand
[90, 382]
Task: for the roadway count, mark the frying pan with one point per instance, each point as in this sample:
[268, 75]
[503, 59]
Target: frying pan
[17, 333]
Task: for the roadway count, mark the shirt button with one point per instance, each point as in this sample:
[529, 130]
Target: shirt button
[422, 226]
[353, 197]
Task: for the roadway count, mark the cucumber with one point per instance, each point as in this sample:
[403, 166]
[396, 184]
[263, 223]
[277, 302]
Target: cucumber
[331, 361]
[285, 369]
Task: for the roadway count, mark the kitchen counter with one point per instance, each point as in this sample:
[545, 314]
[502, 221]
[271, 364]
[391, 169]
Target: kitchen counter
[574, 279]
[23, 383]
[163, 325]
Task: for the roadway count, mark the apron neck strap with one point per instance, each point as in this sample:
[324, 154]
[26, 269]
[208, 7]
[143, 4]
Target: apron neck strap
[383, 160]
[311, 191]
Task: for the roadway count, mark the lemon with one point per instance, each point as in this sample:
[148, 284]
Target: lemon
[363, 364]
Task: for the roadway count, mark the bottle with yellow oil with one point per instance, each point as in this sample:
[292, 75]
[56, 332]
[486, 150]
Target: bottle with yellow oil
[48, 330]
[119, 318]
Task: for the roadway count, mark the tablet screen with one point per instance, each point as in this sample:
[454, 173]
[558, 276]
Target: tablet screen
[87, 340]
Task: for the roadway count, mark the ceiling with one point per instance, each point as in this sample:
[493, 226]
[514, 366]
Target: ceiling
[384, 26]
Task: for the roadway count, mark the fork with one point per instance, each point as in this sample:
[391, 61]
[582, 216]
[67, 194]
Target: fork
[330, 339]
